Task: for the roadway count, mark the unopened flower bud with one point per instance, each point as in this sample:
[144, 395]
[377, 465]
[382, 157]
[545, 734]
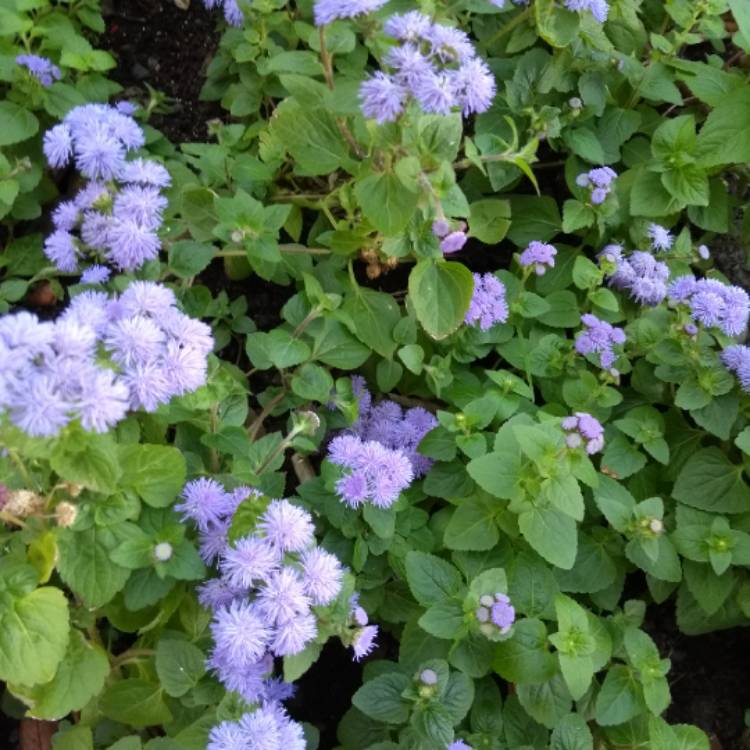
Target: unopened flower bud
[483, 614]
[704, 252]
[428, 677]
[487, 600]
[237, 236]
[307, 422]
[163, 551]
[690, 329]
[360, 616]
[656, 525]
[575, 103]
[66, 514]
[440, 228]
[73, 489]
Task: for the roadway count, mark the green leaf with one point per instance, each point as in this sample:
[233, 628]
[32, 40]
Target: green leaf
[431, 579]
[86, 567]
[374, 315]
[552, 533]
[440, 292]
[710, 482]
[497, 473]
[571, 733]
[547, 702]
[525, 658]
[79, 678]
[135, 702]
[489, 220]
[619, 699]
[720, 140]
[297, 664]
[556, 25]
[18, 124]
[34, 634]
[155, 472]
[443, 620]
[180, 665]
[276, 349]
[472, 527]
[380, 698]
[534, 218]
[188, 258]
[88, 459]
[74, 738]
[313, 383]
[386, 202]
[432, 723]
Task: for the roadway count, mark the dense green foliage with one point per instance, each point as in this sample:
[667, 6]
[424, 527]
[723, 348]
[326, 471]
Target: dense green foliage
[334, 214]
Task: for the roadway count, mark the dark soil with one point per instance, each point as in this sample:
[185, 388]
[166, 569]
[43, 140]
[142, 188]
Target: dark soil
[708, 678]
[155, 42]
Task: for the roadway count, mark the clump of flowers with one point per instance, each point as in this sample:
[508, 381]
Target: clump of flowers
[583, 429]
[495, 614]
[451, 240]
[100, 359]
[232, 12]
[644, 277]
[45, 71]
[270, 583]
[599, 181]
[661, 238]
[327, 11]
[712, 303]
[434, 65]
[393, 427]
[599, 9]
[540, 255]
[488, 305]
[268, 727]
[115, 217]
[599, 337]
[737, 360]
[361, 635]
[372, 472]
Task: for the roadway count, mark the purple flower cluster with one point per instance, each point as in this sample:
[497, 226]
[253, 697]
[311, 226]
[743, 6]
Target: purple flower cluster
[115, 217]
[713, 303]
[435, 65]
[327, 11]
[451, 241]
[460, 744]
[583, 428]
[41, 68]
[269, 583]
[101, 358]
[266, 728]
[232, 12]
[599, 9]
[737, 360]
[392, 427]
[644, 277]
[540, 255]
[362, 635]
[660, 237]
[599, 181]
[372, 472]
[501, 3]
[495, 613]
[599, 337]
[488, 305]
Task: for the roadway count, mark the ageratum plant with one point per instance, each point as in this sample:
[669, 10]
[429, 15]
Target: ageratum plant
[429, 352]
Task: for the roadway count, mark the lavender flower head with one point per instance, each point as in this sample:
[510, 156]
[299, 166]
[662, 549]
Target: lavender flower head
[495, 614]
[266, 728]
[712, 303]
[703, 252]
[115, 217]
[327, 11]
[41, 68]
[460, 744]
[488, 305]
[599, 181]
[599, 9]
[434, 65]
[660, 237]
[91, 363]
[583, 429]
[640, 274]
[599, 337]
[393, 427]
[232, 12]
[372, 472]
[539, 255]
[737, 360]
